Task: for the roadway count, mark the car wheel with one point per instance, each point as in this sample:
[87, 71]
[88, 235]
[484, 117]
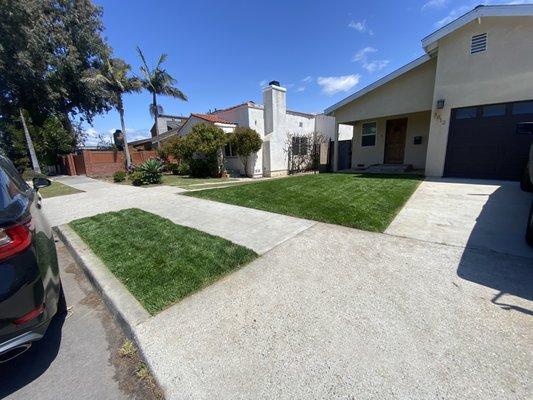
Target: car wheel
[61, 301]
[529, 229]
[525, 182]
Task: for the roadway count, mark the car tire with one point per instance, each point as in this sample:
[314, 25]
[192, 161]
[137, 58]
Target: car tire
[61, 301]
[529, 229]
[525, 181]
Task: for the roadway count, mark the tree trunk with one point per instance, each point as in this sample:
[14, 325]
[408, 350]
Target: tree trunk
[29, 142]
[124, 139]
[156, 116]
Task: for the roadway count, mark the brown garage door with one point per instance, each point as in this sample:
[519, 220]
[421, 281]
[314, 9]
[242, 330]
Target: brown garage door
[489, 141]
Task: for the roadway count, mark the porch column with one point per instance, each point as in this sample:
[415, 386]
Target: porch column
[336, 148]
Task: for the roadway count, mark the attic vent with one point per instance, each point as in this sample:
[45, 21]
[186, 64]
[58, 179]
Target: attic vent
[478, 43]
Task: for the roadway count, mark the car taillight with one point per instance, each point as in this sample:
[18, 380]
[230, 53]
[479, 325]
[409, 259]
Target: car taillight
[31, 315]
[13, 240]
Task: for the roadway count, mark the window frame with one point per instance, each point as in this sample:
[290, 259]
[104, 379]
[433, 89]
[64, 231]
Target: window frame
[298, 140]
[375, 134]
[231, 153]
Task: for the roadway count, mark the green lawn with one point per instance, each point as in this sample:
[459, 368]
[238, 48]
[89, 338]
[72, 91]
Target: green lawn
[364, 201]
[158, 261]
[57, 189]
[185, 181]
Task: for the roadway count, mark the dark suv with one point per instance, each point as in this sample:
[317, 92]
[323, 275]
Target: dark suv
[30, 287]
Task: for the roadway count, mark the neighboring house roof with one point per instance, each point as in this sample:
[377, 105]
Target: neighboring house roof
[172, 116]
[380, 82]
[140, 141]
[215, 119]
[252, 104]
[429, 43]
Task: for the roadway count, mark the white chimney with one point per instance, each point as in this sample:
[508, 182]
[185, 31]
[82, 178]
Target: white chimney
[275, 109]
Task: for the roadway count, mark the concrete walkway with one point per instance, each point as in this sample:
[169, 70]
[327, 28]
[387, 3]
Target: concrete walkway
[255, 229]
[490, 215]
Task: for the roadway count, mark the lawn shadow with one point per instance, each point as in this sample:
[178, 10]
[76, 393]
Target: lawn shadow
[496, 254]
[22, 370]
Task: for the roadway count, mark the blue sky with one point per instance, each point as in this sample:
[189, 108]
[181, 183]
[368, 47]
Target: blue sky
[221, 52]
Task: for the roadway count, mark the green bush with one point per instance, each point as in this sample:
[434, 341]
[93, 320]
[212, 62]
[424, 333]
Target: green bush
[203, 168]
[152, 171]
[119, 176]
[183, 168]
[137, 178]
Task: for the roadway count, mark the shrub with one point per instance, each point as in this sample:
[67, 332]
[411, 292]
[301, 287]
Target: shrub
[203, 168]
[183, 168]
[152, 171]
[201, 149]
[245, 142]
[119, 176]
[137, 178]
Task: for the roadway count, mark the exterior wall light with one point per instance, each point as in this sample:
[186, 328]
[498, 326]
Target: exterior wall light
[440, 104]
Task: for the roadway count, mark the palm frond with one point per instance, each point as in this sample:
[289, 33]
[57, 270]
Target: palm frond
[174, 92]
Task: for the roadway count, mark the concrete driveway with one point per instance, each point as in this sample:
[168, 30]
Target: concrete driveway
[490, 215]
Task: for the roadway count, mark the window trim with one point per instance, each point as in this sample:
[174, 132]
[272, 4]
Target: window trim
[232, 155]
[369, 134]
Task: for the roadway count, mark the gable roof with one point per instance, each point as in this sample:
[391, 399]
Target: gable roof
[429, 43]
[380, 82]
[215, 119]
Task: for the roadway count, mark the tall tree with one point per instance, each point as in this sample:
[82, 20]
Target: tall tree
[45, 48]
[114, 79]
[158, 82]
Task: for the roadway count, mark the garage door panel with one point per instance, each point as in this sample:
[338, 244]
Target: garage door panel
[487, 147]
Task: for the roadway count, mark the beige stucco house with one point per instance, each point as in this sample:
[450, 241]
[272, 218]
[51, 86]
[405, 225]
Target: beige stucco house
[460, 110]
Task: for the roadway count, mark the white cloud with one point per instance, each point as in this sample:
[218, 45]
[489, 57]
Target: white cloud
[453, 14]
[335, 84]
[360, 26]
[434, 4]
[307, 79]
[370, 65]
[263, 83]
[362, 55]
[375, 65]
[300, 88]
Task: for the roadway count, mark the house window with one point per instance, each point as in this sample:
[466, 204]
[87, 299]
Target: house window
[368, 134]
[466, 112]
[300, 146]
[228, 151]
[495, 110]
[523, 107]
[478, 43]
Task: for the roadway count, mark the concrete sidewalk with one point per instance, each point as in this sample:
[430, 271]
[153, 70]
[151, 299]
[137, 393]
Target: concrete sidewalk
[337, 313]
[258, 230]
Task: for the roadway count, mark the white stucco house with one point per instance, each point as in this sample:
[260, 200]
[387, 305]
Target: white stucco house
[271, 120]
[463, 109]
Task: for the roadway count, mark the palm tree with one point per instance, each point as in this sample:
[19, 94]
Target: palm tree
[158, 81]
[113, 78]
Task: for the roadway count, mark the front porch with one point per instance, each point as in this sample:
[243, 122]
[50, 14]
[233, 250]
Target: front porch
[390, 144]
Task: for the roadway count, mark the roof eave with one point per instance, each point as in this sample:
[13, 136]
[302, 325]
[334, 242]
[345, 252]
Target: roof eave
[429, 43]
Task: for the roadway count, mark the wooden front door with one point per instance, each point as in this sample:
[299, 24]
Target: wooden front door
[395, 141]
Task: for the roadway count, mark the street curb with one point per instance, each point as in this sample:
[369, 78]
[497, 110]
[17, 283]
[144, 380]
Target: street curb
[125, 308]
